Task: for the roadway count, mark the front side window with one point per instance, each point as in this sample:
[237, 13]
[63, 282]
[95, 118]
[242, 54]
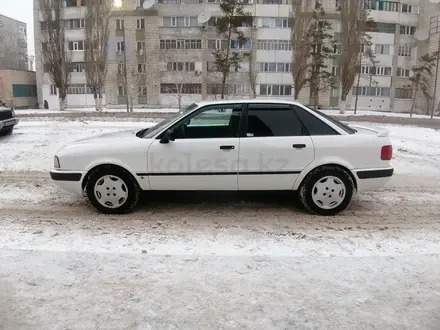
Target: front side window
[217, 121]
[265, 120]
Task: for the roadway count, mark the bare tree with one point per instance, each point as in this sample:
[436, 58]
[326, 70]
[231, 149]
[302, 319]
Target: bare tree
[97, 33]
[368, 55]
[421, 72]
[227, 27]
[55, 55]
[355, 24]
[322, 51]
[253, 69]
[300, 20]
[136, 81]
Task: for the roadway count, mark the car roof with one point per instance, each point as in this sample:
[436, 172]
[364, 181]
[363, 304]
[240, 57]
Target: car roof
[262, 100]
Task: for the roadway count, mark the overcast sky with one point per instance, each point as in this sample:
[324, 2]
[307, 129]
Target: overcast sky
[22, 11]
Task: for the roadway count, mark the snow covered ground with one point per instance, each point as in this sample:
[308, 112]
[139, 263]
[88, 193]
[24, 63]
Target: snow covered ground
[192, 262]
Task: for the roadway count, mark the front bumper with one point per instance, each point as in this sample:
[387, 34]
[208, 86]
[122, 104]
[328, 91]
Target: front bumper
[68, 180]
[8, 123]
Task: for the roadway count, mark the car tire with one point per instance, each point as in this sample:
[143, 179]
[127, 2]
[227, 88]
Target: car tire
[7, 131]
[106, 181]
[316, 190]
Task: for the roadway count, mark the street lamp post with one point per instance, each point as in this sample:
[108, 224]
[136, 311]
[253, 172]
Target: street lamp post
[119, 4]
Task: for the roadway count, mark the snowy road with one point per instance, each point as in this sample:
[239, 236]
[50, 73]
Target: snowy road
[238, 264]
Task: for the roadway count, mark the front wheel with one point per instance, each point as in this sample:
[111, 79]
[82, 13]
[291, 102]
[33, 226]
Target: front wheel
[327, 190]
[112, 190]
[7, 131]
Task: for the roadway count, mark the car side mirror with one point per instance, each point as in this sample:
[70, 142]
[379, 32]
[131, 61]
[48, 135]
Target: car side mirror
[167, 137]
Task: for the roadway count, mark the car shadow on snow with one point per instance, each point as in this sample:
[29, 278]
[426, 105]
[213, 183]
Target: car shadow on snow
[188, 200]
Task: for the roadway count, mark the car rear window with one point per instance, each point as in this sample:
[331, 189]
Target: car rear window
[343, 126]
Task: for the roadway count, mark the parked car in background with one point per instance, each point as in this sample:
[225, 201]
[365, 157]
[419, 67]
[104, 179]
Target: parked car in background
[7, 119]
[233, 145]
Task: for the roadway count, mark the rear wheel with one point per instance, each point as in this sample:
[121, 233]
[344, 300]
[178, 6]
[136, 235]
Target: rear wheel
[112, 190]
[327, 190]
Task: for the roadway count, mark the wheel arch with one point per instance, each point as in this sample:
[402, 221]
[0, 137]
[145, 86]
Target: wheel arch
[96, 166]
[309, 169]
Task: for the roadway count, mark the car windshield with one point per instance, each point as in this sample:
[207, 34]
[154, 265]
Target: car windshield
[152, 131]
[343, 126]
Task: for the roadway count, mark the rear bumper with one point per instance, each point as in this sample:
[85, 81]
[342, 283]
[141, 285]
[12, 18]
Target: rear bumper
[371, 179]
[375, 174]
[68, 180]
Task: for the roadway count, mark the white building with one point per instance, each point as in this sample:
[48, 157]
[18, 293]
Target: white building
[167, 42]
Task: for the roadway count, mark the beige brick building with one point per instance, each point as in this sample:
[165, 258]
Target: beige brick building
[18, 88]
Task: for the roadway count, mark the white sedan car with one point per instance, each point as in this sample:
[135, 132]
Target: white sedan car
[234, 145]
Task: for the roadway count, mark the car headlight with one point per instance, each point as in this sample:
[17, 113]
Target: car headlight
[13, 113]
[56, 162]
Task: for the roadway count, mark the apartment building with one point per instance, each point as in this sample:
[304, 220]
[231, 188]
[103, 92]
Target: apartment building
[170, 53]
[13, 44]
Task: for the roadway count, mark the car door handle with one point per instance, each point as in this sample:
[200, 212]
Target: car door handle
[299, 146]
[227, 147]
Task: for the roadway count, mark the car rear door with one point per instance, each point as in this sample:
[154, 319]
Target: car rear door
[274, 147]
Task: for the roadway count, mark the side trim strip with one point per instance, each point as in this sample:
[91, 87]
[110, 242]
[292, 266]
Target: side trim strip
[56, 176]
[373, 174]
[218, 173]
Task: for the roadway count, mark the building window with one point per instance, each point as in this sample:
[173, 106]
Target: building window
[184, 88]
[275, 67]
[217, 44]
[408, 30]
[181, 44]
[140, 23]
[76, 24]
[121, 68]
[76, 45]
[274, 45]
[142, 90]
[337, 49]
[276, 90]
[121, 90]
[75, 3]
[371, 91]
[230, 89]
[335, 71]
[120, 46]
[382, 27]
[53, 90]
[272, 2]
[78, 67]
[175, 21]
[76, 89]
[181, 66]
[382, 49]
[403, 93]
[414, 9]
[119, 24]
[376, 70]
[276, 22]
[142, 68]
[213, 21]
[401, 72]
[404, 50]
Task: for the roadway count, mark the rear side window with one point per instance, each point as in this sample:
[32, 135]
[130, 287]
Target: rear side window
[313, 124]
[268, 119]
[346, 128]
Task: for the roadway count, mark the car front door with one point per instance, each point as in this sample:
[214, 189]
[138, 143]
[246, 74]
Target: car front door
[275, 148]
[202, 153]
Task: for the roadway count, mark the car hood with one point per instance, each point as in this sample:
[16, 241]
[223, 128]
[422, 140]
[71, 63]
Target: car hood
[102, 139]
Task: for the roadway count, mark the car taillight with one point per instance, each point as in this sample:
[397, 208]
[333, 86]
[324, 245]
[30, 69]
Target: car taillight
[386, 153]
